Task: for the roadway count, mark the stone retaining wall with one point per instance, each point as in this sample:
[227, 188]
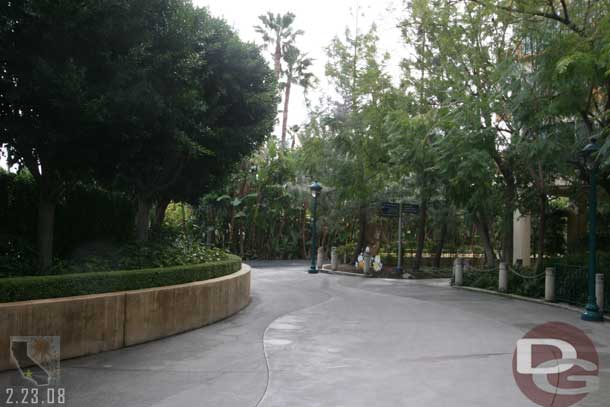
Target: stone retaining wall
[96, 323]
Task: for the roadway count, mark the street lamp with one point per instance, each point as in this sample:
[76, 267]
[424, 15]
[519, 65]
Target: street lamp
[316, 189]
[592, 312]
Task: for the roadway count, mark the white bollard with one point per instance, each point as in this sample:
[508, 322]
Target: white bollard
[334, 259]
[549, 284]
[503, 278]
[367, 263]
[458, 272]
[320, 261]
[599, 290]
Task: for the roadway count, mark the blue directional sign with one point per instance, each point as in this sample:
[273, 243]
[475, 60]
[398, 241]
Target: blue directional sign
[391, 209]
[410, 208]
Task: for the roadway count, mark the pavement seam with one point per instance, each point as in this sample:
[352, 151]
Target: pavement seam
[262, 398]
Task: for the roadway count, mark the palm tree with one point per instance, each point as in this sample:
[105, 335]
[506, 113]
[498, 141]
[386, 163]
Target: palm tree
[297, 66]
[277, 32]
[294, 133]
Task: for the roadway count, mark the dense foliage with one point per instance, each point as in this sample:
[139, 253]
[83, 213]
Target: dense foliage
[495, 101]
[156, 100]
[493, 106]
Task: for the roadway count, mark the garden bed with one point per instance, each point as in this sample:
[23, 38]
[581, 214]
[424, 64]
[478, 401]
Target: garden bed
[68, 285]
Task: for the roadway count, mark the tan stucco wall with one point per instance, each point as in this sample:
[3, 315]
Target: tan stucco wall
[96, 323]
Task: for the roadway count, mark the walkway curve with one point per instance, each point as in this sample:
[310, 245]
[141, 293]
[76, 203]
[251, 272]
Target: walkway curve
[326, 340]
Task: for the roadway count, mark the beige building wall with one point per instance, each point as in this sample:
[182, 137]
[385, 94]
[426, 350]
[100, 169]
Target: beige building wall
[522, 231]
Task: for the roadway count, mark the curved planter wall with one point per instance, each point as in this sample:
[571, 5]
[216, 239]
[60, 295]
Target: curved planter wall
[95, 323]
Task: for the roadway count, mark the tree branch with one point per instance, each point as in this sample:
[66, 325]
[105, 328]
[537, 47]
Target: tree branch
[566, 16]
[551, 16]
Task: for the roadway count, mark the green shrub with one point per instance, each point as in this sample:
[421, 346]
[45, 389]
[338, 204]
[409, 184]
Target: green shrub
[168, 250]
[67, 285]
[85, 213]
[346, 252]
[481, 279]
[527, 287]
[16, 256]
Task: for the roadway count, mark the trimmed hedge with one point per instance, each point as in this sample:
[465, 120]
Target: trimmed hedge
[391, 259]
[69, 285]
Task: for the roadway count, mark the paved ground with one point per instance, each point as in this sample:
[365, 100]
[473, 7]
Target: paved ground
[324, 340]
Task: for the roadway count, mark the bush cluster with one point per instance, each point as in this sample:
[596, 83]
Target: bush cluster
[41, 287]
[170, 249]
[86, 212]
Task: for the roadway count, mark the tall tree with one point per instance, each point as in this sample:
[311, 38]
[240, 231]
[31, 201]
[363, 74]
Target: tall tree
[459, 68]
[57, 60]
[354, 123]
[210, 100]
[297, 73]
[277, 32]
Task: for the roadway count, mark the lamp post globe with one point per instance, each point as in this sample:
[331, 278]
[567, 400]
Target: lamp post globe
[315, 189]
[592, 311]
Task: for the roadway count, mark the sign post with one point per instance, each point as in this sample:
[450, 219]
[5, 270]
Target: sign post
[396, 210]
[399, 260]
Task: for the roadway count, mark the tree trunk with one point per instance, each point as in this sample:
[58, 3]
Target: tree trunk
[280, 237]
[362, 221]
[184, 226]
[285, 113]
[159, 215]
[542, 201]
[277, 59]
[324, 238]
[143, 220]
[441, 244]
[46, 226]
[484, 233]
[510, 196]
[421, 235]
[304, 230]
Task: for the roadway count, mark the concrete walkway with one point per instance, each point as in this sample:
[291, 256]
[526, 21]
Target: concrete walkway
[326, 340]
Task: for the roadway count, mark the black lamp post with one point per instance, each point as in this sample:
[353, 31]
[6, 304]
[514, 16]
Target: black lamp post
[316, 189]
[592, 312]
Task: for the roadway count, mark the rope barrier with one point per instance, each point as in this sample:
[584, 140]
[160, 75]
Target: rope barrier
[530, 277]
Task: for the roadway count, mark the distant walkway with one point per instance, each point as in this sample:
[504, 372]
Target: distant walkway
[326, 340]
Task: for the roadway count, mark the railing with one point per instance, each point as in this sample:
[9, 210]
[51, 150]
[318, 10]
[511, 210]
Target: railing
[563, 282]
[571, 284]
[525, 282]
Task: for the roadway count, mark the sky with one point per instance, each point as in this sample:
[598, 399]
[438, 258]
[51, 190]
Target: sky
[321, 20]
